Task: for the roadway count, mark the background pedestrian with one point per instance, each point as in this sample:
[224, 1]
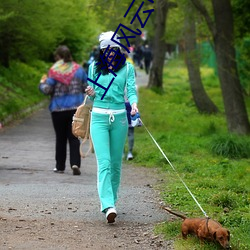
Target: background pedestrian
[147, 54]
[65, 84]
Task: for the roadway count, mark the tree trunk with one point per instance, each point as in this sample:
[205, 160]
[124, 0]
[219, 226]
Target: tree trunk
[159, 46]
[235, 109]
[201, 99]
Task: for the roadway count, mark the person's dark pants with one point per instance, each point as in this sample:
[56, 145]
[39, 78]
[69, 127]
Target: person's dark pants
[147, 65]
[62, 122]
[130, 129]
[130, 139]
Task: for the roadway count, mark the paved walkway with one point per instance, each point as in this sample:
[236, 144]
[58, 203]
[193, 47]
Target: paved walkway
[26, 163]
[29, 189]
[141, 78]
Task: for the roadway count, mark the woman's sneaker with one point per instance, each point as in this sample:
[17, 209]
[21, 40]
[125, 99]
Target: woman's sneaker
[111, 214]
[76, 170]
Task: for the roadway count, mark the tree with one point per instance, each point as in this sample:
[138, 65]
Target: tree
[223, 38]
[159, 44]
[241, 17]
[28, 33]
[115, 10]
[201, 99]
[242, 33]
[25, 31]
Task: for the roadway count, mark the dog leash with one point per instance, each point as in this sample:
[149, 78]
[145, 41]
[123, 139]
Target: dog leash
[174, 169]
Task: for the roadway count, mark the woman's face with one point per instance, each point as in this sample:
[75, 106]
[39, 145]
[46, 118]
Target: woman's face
[109, 53]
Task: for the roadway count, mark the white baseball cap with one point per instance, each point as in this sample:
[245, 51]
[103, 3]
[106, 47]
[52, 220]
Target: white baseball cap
[105, 40]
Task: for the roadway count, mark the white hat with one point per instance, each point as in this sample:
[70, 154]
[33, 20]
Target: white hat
[105, 40]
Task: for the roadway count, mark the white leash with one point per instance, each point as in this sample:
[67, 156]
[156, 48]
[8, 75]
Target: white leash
[174, 169]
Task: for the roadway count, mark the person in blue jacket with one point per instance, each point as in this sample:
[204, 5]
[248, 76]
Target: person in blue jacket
[65, 83]
[109, 124]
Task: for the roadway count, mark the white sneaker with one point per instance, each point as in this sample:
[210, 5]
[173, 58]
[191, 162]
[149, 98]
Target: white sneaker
[58, 171]
[130, 156]
[111, 214]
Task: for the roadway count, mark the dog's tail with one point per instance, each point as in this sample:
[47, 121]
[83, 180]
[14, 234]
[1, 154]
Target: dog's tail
[175, 213]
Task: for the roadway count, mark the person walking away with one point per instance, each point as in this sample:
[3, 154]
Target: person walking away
[147, 58]
[65, 84]
[139, 52]
[109, 123]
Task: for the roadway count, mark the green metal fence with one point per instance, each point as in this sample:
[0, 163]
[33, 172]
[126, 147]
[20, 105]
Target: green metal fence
[208, 58]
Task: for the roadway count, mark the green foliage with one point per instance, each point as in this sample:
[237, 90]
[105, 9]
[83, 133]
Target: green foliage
[224, 200]
[174, 25]
[19, 87]
[41, 29]
[231, 146]
[176, 18]
[219, 183]
[243, 60]
[115, 11]
[241, 17]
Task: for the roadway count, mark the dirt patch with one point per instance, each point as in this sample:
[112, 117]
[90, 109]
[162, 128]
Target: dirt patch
[51, 234]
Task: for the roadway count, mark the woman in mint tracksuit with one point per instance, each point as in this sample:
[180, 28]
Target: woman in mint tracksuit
[109, 123]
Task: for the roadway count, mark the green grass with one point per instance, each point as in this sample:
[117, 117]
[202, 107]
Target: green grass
[19, 87]
[214, 164]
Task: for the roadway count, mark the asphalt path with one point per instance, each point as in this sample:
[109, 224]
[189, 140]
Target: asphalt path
[26, 164]
[31, 190]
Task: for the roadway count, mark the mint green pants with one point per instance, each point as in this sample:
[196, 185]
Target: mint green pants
[108, 136]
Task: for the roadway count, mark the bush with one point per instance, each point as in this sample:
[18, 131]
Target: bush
[231, 146]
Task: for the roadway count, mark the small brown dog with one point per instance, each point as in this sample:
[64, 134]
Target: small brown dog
[204, 229]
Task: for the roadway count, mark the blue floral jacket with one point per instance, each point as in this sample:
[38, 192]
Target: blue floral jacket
[65, 97]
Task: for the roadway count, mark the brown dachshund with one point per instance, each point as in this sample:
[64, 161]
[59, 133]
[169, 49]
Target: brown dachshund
[204, 229]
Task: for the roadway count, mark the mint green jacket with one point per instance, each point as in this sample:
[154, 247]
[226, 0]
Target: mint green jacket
[123, 83]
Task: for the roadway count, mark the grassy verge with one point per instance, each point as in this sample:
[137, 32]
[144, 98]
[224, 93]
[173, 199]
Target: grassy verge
[212, 163]
[19, 88]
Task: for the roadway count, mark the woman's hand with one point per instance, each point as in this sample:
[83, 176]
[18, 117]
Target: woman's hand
[134, 109]
[90, 91]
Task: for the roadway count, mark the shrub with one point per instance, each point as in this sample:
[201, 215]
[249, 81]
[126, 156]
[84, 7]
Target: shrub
[231, 146]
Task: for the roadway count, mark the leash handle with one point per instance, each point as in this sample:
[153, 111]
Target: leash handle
[174, 170]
